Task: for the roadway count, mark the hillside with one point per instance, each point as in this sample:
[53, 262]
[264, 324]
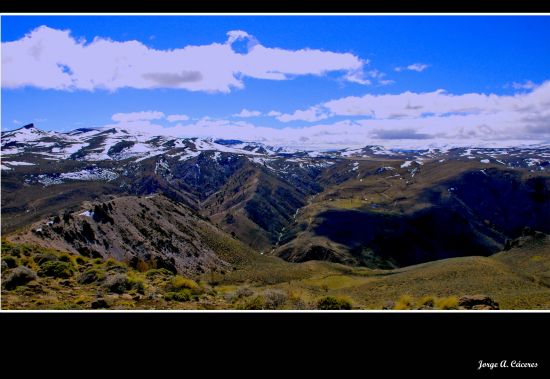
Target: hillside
[385, 215]
[514, 279]
[151, 231]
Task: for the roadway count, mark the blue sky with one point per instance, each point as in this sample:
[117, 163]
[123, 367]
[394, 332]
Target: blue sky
[507, 56]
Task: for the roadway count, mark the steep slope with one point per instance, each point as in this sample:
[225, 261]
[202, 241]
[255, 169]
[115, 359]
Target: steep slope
[393, 214]
[151, 231]
[258, 203]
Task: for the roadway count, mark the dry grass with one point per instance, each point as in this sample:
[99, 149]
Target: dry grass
[514, 279]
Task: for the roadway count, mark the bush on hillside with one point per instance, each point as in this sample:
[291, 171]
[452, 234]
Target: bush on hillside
[56, 269]
[18, 276]
[333, 303]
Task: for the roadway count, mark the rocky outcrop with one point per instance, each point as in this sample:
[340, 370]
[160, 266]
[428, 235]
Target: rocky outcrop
[145, 232]
[477, 302]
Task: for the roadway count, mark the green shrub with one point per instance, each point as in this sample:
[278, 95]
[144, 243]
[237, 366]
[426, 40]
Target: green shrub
[182, 295]
[137, 283]
[117, 283]
[11, 262]
[333, 303]
[91, 275]
[240, 293]
[8, 248]
[179, 283]
[42, 258]
[56, 269]
[243, 292]
[254, 303]
[80, 260]
[120, 283]
[115, 266]
[159, 272]
[274, 299]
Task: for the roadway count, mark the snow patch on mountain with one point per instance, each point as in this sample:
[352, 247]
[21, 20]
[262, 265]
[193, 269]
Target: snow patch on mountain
[16, 163]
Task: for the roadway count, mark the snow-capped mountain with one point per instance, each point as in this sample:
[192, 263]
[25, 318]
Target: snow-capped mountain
[29, 145]
[296, 204]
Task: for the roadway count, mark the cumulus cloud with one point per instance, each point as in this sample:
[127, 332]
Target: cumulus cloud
[418, 67]
[247, 113]
[439, 103]
[137, 116]
[53, 59]
[274, 113]
[406, 120]
[177, 117]
[312, 114]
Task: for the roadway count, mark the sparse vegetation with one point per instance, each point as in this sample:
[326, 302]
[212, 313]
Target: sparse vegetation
[91, 275]
[253, 303]
[274, 299]
[450, 302]
[159, 272]
[108, 284]
[407, 302]
[181, 283]
[181, 295]
[56, 269]
[333, 303]
[404, 302]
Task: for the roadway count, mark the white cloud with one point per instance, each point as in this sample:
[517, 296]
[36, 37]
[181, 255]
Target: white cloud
[312, 114]
[17, 122]
[53, 59]
[528, 85]
[246, 113]
[357, 76]
[177, 117]
[386, 82]
[410, 105]
[137, 116]
[274, 113]
[406, 120]
[418, 67]
[376, 74]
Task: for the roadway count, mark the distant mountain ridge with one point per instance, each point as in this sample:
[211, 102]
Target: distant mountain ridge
[296, 204]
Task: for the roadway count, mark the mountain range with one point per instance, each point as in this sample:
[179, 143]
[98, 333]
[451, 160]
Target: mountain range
[196, 206]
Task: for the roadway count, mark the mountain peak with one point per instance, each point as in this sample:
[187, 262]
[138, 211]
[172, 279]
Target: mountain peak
[29, 126]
